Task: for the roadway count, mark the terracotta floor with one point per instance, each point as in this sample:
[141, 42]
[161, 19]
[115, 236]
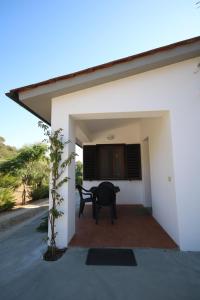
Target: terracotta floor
[135, 227]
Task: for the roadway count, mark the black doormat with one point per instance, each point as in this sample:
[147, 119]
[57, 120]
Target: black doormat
[110, 257]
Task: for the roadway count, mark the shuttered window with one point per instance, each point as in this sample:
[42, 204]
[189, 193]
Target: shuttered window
[89, 163]
[133, 161]
[112, 161]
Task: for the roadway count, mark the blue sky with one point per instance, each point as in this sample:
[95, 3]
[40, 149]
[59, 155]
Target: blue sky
[44, 39]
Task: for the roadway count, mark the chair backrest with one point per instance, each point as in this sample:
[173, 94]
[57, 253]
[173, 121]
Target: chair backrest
[79, 188]
[105, 195]
[107, 183]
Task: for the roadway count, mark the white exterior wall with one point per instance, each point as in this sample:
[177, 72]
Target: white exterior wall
[174, 88]
[131, 192]
[186, 143]
[164, 207]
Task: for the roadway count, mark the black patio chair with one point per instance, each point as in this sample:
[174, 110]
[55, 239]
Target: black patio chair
[85, 197]
[105, 196]
[111, 186]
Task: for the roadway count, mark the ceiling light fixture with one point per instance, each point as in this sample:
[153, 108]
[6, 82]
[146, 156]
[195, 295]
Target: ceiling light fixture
[110, 137]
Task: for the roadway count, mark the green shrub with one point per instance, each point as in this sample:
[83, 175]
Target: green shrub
[43, 227]
[6, 199]
[79, 180]
[79, 173]
[40, 192]
[9, 181]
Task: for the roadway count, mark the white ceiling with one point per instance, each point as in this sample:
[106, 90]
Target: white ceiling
[89, 125]
[96, 126]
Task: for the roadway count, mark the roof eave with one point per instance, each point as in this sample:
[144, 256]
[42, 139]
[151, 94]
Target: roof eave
[15, 97]
[101, 74]
[109, 64]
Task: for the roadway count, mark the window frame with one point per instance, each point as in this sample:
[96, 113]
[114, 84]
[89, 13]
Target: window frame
[95, 163]
[124, 162]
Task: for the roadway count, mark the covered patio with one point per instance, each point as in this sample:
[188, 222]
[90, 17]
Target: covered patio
[134, 152]
[135, 227]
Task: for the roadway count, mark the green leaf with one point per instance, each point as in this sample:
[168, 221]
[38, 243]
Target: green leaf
[62, 182]
[68, 161]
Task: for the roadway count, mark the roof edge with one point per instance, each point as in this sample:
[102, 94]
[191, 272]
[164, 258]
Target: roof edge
[15, 97]
[12, 94]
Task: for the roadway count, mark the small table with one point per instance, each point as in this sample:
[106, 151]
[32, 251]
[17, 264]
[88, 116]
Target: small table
[94, 188]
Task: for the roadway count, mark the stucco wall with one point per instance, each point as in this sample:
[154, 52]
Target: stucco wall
[131, 192]
[164, 206]
[174, 88]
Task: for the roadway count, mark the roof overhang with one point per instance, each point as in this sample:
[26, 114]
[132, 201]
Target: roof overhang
[36, 98]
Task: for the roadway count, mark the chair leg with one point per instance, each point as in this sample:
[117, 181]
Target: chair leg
[112, 213]
[93, 209]
[82, 205]
[115, 210]
[96, 213]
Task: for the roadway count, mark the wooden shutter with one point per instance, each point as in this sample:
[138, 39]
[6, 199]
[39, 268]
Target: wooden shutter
[89, 162]
[104, 162]
[118, 162]
[133, 162]
[110, 161]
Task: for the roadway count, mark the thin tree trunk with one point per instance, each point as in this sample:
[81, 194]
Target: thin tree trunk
[52, 218]
[24, 195]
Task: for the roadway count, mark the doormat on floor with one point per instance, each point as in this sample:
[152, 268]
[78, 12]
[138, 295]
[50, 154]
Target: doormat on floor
[110, 257]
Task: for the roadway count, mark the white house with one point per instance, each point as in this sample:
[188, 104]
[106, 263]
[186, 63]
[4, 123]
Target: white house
[151, 101]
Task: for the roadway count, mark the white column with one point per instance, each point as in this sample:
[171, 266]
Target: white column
[186, 148]
[65, 225]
